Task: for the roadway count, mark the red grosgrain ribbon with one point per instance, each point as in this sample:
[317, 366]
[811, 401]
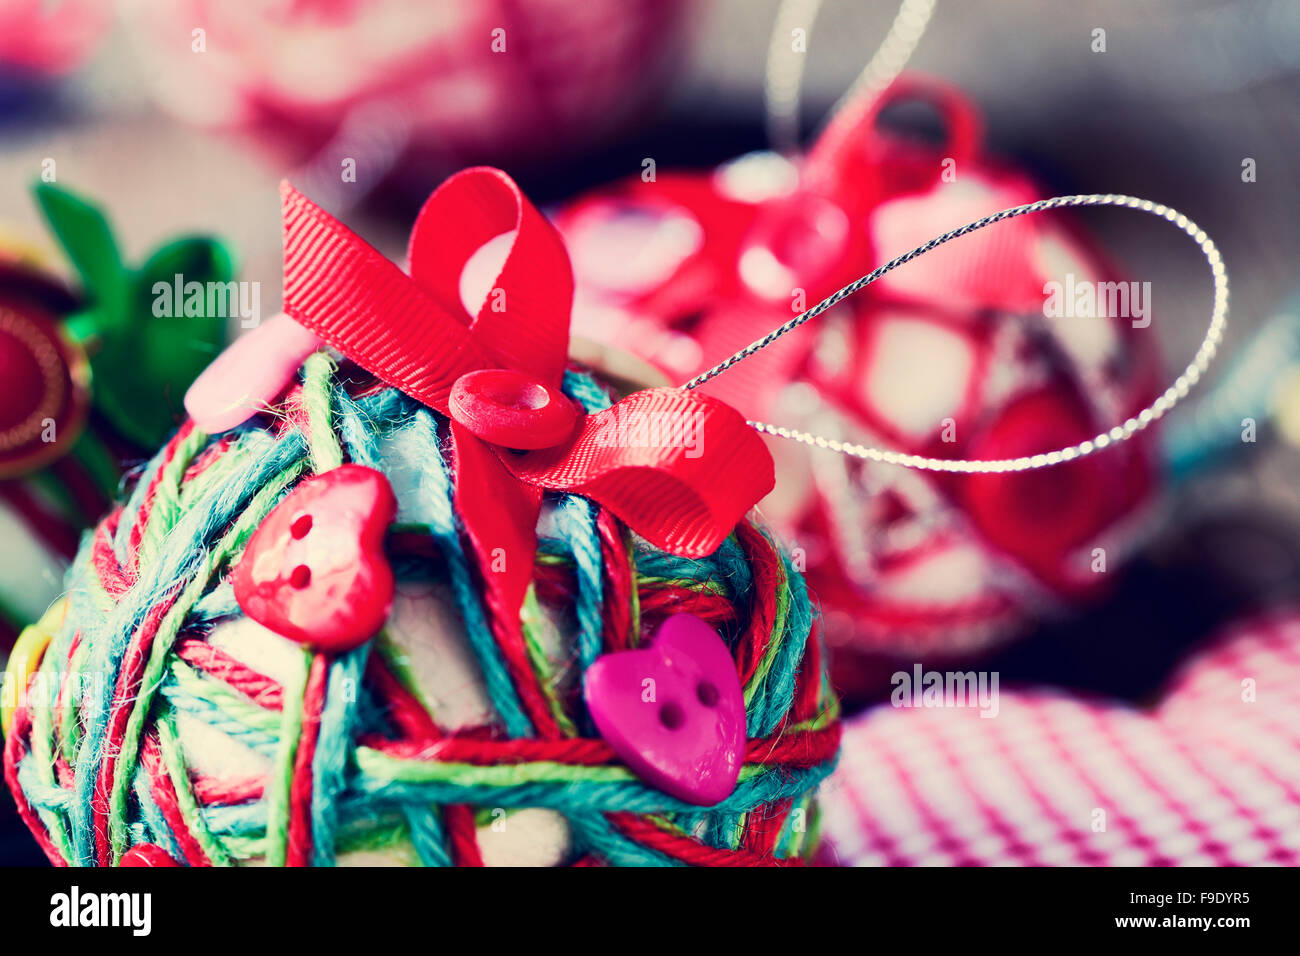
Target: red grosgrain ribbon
[681, 496]
[413, 333]
[656, 459]
[356, 300]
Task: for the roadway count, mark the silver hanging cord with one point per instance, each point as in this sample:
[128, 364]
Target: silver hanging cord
[1167, 400]
[783, 79]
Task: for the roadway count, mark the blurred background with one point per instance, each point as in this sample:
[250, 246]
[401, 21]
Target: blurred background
[1185, 91]
[168, 142]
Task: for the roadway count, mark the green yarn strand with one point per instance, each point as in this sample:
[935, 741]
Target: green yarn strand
[318, 375]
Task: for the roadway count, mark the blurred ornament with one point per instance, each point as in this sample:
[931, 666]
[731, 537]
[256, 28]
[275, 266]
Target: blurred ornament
[101, 357]
[50, 37]
[441, 83]
[45, 374]
[46, 493]
[40, 42]
[1207, 776]
[951, 357]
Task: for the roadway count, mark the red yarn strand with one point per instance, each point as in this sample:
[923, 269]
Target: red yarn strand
[300, 846]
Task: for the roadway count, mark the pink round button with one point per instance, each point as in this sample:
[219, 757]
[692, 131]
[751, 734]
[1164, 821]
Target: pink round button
[509, 409]
[147, 854]
[673, 711]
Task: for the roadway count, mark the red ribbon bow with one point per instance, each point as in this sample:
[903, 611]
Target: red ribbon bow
[413, 333]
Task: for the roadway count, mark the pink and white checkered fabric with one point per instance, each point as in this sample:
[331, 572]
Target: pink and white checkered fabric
[1210, 776]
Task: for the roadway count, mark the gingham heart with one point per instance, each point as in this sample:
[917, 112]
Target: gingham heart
[1211, 776]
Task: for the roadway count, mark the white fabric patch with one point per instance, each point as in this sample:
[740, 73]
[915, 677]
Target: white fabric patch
[918, 374]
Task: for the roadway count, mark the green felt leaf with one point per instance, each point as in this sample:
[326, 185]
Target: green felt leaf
[141, 376]
[142, 363]
[87, 238]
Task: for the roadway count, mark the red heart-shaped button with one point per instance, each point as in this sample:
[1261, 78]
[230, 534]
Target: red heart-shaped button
[315, 569]
[673, 711]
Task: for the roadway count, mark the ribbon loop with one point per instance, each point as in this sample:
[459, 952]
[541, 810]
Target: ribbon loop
[680, 469]
[524, 323]
[356, 300]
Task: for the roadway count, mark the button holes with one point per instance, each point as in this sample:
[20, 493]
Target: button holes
[301, 525]
[707, 693]
[300, 577]
[671, 715]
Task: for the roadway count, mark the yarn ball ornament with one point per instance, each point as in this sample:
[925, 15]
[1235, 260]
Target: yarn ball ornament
[455, 82]
[162, 715]
[1204, 776]
[957, 354]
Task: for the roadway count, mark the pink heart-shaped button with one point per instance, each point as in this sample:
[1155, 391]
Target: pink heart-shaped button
[673, 711]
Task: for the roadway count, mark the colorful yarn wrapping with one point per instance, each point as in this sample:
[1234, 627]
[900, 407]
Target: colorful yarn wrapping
[97, 765]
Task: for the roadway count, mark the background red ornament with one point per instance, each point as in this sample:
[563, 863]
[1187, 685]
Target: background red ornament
[443, 83]
[950, 356]
[44, 374]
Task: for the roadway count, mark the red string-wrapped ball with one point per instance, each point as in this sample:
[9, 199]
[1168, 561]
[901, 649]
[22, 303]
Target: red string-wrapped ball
[987, 347]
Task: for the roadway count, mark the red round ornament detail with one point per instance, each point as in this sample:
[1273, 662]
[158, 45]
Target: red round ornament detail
[43, 394]
[512, 410]
[794, 243]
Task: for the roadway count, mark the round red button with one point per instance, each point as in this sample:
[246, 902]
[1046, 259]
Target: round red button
[511, 410]
[1041, 515]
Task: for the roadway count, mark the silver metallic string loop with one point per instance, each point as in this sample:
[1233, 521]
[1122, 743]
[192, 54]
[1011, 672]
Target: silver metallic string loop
[1168, 399]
